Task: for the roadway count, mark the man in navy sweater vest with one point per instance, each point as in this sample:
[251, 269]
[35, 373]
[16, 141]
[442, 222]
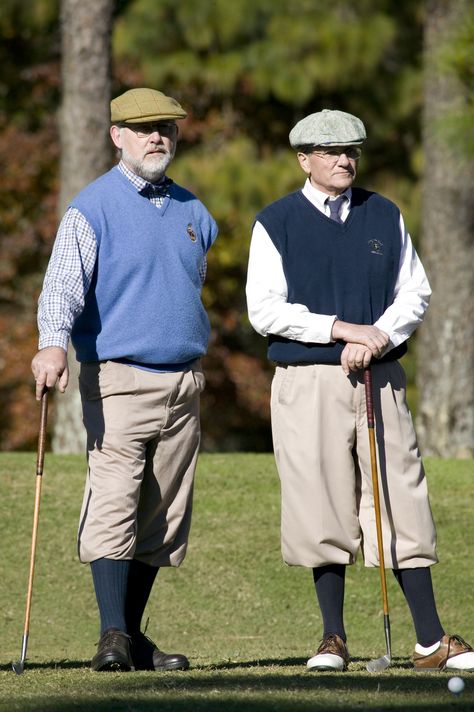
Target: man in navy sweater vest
[335, 283]
[124, 283]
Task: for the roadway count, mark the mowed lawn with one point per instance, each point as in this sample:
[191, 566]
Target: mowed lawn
[247, 622]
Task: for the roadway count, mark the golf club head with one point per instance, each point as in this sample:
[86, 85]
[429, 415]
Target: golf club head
[18, 667]
[379, 664]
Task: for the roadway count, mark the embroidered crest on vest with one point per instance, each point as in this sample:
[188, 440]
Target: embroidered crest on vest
[191, 232]
[376, 247]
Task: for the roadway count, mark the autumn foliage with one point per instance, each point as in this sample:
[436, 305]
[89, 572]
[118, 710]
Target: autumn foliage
[246, 72]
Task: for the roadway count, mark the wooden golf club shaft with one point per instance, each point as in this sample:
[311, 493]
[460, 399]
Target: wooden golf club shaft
[39, 479]
[376, 493]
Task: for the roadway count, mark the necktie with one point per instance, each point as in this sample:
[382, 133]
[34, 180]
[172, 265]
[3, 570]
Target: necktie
[334, 208]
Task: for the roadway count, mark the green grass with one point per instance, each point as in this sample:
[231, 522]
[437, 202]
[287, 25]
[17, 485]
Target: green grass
[246, 621]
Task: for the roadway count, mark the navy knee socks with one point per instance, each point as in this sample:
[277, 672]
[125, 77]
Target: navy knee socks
[329, 582]
[122, 589]
[417, 588]
[140, 582]
[110, 583]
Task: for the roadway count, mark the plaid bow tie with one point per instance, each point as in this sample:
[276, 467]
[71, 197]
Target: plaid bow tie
[159, 190]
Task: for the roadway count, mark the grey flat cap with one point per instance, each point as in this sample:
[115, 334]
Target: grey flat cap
[328, 128]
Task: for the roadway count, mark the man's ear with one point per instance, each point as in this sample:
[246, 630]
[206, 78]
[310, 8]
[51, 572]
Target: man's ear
[116, 135]
[304, 162]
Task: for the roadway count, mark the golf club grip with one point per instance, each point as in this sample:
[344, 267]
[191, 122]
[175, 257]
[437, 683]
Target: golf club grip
[42, 433]
[368, 397]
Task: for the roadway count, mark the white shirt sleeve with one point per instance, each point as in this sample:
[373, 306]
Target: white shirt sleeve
[411, 298]
[267, 294]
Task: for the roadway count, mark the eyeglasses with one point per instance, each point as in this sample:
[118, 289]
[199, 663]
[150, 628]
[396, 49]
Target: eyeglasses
[164, 128]
[335, 152]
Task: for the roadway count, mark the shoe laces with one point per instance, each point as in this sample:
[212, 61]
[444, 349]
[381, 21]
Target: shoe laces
[333, 644]
[461, 641]
[112, 637]
[140, 637]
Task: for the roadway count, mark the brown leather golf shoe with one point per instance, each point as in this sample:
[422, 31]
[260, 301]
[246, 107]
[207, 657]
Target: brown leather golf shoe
[332, 654]
[113, 652]
[453, 654]
[147, 656]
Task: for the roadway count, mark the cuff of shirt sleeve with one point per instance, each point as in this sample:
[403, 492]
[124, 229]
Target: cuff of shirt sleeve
[321, 331]
[396, 337]
[60, 339]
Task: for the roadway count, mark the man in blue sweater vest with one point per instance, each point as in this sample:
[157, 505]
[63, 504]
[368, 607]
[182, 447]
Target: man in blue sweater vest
[124, 283]
[335, 283]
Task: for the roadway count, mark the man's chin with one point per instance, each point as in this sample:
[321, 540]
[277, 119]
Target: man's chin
[345, 183]
[155, 171]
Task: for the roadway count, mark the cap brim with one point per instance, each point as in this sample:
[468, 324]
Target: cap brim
[152, 117]
[342, 143]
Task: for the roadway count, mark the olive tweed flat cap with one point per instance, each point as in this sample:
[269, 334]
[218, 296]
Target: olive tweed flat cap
[328, 128]
[137, 106]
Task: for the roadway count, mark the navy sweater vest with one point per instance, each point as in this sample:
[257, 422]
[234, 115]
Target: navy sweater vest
[349, 269]
[144, 301]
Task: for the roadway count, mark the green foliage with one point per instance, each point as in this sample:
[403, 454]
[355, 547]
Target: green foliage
[246, 71]
[456, 60]
[291, 54]
[29, 58]
[247, 622]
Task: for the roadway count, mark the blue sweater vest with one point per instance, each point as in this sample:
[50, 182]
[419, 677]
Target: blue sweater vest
[349, 270]
[144, 301]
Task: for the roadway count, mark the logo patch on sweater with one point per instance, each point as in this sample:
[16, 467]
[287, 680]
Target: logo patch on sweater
[376, 247]
[191, 232]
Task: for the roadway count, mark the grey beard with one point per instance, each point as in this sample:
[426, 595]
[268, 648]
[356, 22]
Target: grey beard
[150, 172]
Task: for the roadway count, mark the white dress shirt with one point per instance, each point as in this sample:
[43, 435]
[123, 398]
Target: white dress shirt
[267, 292]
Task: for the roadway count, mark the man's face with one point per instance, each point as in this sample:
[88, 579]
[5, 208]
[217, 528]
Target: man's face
[331, 170]
[148, 148]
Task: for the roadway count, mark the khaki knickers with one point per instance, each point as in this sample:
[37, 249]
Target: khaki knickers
[143, 437]
[321, 443]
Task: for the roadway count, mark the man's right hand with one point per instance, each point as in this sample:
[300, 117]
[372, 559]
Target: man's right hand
[367, 335]
[49, 368]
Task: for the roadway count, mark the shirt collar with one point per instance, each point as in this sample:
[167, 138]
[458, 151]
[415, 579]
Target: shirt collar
[318, 198]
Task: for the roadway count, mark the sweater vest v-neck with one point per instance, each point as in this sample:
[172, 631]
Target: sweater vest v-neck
[144, 302]
[347, 269]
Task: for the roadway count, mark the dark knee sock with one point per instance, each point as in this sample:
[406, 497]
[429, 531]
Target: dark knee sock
[329, 582]
[140, 582]
[110, 583]
[417, 588]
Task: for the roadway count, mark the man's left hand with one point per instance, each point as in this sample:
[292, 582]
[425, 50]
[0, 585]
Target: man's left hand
[354, 357]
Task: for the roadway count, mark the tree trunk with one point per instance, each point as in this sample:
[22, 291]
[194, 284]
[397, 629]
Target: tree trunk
[86, 27]
[446, 341]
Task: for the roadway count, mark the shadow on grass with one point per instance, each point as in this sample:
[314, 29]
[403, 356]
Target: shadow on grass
[233, 687]
[51, 665]
[397, 663]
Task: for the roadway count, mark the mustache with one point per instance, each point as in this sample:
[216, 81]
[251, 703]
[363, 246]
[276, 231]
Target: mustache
[157, 150]
[349, 170]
